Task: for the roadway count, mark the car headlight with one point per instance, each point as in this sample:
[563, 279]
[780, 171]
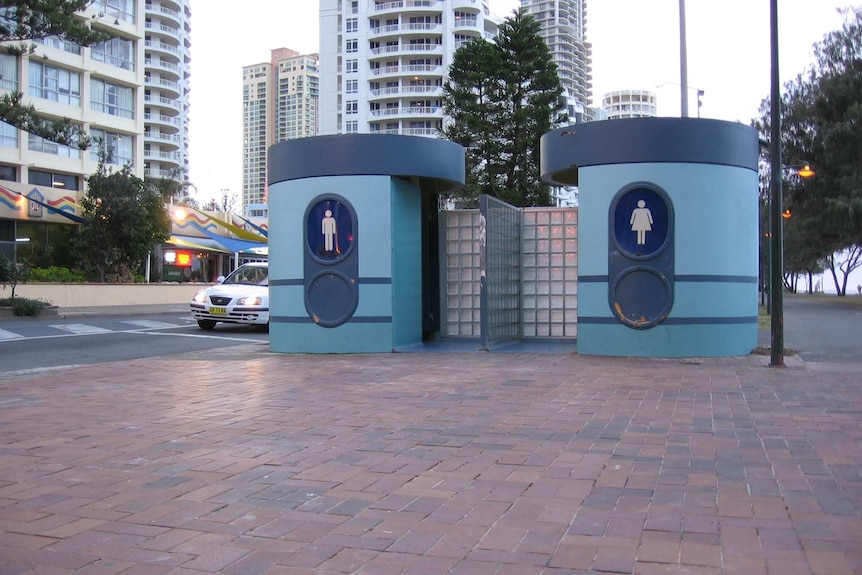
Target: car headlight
[200, 297]
[250, 300]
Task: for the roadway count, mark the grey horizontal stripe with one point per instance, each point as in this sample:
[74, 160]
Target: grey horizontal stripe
[694, 278]
[306, 319]
[676, 320]
[716, 279]
[299, 282]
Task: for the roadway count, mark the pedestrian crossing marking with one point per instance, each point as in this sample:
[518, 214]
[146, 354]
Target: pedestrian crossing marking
[81, 328]
[150, 324]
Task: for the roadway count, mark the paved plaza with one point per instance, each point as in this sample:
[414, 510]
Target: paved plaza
[429, 463]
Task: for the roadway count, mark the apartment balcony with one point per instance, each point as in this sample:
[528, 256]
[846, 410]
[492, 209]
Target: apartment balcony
[166, 123]
[397, 29]
[409, 112]
[162, 28]
[396, 91]
[161, 156]
[163, 102]
[164, 85]
[474, 6]
[165, 13]
[171, 141]
[165, 68]
[428, 132]
[384, 8]
[390, 71]
[467, 24]
[162, 47]
[405, 50]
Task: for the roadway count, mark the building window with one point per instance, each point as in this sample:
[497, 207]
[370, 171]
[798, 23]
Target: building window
[124, 9]
[351, 46]
[352, 66]
[351, 86]
[53, 180]
[38, 144]
[352, 107]
[112, 99]
[117, 52]
[117, 146]
[64, 45]
[8, 173]
[351, 127]
[8, 136]
[55, 84]
[351, 25]
[8, 72]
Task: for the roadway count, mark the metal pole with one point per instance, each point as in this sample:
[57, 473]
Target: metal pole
[683, 63]
[776, 291]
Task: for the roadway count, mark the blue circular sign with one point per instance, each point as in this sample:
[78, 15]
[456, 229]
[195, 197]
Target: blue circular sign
[641, 222]
[330, 229]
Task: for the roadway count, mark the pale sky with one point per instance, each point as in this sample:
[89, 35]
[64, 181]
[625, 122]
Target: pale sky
[635, 46]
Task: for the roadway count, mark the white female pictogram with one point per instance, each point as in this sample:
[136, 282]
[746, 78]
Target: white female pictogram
[641, 221]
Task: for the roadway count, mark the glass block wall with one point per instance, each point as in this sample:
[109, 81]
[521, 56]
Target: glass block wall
[550, 272]
[461, 261]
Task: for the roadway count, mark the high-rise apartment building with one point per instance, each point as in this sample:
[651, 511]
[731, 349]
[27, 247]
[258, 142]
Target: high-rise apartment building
[130, 92]
[563, 26]
[279, 102]
[167, 28]
[630, 104]
[383, 63]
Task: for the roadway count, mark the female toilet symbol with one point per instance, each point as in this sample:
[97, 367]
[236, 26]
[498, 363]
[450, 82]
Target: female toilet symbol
[641, 221]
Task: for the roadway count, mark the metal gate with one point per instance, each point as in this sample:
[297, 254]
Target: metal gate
[530, 261]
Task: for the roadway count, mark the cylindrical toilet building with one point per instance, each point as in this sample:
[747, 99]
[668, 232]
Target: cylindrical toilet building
[352, 240]
[668, 228]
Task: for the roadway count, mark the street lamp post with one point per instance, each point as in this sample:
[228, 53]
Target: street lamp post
[683, 64]
[776, 293]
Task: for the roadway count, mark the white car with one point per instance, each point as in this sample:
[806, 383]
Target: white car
[241, 297]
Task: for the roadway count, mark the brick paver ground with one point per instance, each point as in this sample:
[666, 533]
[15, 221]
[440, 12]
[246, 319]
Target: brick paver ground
[432, 464]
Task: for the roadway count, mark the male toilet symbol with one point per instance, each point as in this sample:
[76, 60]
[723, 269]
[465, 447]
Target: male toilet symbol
[641, 221]
[329, 231]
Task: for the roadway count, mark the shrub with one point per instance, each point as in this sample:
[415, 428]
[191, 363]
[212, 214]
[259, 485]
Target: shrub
[54, 274]
[27, 307]
[22, 306]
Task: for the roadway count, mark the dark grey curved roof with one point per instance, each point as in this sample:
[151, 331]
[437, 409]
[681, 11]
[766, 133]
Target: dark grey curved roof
[368, 154]
[645, 140]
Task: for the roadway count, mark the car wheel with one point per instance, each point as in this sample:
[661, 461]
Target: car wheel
[206, 324]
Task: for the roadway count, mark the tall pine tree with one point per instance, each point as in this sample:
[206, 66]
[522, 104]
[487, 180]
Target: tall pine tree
[500, 98]
[23, 20]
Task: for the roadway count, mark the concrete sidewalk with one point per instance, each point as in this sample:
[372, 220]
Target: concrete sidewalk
[471, 463]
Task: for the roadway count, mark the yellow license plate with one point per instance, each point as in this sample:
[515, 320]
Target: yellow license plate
[218, 311]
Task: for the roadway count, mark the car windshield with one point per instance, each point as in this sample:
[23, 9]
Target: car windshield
[248, 275]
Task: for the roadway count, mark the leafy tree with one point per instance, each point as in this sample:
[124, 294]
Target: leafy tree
[227, 203]
[500, 98]
[12, 273]
[173, 189]
[821, 111]
[123, 220]
[24, 20]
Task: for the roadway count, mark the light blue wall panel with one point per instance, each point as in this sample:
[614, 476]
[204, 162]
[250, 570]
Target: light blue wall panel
[406, 263]
[705, 340]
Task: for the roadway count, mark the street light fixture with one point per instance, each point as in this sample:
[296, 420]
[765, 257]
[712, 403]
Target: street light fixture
[805, 171]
